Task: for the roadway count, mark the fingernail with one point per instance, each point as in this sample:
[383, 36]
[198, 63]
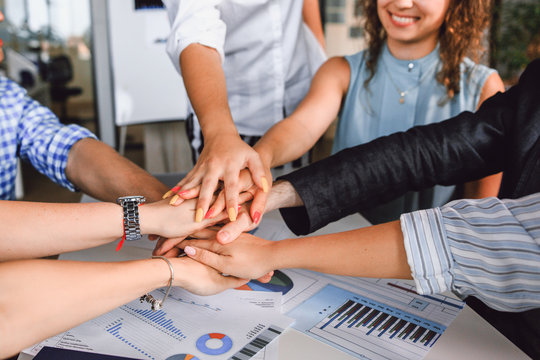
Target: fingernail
[264, 184]
[183, 193]
[199, 215]
[173, 200]
[232, 214]
[209, 214]
[224, 237]
[175, 189]
[167, 194]
[189, 250]
[256, 217]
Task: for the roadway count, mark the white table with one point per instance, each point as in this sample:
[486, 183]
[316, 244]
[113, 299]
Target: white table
[468, 337]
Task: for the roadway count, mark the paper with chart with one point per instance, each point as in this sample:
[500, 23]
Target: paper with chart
[188, 327]
[367, 318]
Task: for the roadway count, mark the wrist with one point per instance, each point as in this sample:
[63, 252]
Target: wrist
[265, 156]
[282, 195]
[217, 129]
[148, 220]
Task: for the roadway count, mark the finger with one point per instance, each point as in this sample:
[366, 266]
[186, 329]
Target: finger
[206, 195]
[152, 237]
[217, 207]
[206, 257]
[232, 282]
[266, 278]
[188, 193]
[232, 230]
[244, 197]
[258, 173]
[231, 193]
[257, 206]
[171, 192]
[173, 253]
[204, 234]
[160, 242]
[167, 245]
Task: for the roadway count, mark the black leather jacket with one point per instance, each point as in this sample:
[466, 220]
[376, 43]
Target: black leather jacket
[503, 135]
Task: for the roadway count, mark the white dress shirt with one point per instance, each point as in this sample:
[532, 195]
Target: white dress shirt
[269, 55]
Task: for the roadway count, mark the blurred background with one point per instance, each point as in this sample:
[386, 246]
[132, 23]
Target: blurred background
[91, 61]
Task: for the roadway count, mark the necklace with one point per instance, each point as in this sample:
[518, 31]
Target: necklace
[402, 93]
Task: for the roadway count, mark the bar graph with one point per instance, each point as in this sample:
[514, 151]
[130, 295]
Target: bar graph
[159, 320]
[375, 324]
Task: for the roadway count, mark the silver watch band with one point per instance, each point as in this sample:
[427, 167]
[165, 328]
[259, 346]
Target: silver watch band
[130, 205]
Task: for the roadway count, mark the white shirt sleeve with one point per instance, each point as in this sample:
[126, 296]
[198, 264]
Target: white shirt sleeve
[194, 21]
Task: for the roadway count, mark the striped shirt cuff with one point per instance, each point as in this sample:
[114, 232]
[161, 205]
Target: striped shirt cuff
[428, 254]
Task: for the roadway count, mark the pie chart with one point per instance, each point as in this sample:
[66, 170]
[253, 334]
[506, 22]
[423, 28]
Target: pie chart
[182, 357]
[280, 283]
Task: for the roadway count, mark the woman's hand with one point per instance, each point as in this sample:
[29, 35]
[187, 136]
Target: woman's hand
[200, 279]
[159, 218]
[222, 158]
[247, 257]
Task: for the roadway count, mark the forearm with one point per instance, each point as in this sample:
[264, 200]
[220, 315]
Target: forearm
[99, 171]
[375, 251]
[312, 17]
[39, 229]
[284, 142]
[41, 298]
[206, 87]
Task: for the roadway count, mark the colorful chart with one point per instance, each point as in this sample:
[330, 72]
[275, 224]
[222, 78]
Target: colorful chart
[226, 344]
[182, 357]
[280, 282]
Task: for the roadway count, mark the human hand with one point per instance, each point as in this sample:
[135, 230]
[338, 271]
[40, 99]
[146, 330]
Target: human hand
[176, 222]
[222, 158]
[247, 257]
[200, 279]
[246, 185]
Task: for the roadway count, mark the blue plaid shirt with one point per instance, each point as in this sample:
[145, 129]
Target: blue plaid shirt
[32, 132]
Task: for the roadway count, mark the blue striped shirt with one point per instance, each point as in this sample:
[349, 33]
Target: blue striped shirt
[32, 132]
[489, 248]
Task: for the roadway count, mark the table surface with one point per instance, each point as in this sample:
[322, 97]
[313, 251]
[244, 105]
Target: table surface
[468, 337]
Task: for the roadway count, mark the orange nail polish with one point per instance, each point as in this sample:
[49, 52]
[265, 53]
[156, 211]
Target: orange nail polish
[264, 184]
[232, 214]
[199, 215]
[167, 194]
[173, 200]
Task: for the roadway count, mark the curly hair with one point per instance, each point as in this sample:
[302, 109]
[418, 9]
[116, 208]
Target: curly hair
[460, 35]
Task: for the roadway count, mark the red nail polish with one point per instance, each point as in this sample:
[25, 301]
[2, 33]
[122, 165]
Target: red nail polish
[183, 193]
[175, 189]
[209, 214]
[257, 217]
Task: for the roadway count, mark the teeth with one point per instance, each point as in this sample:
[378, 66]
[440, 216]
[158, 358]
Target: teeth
[402, 20]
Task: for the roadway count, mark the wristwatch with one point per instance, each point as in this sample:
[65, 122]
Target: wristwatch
[130, 204]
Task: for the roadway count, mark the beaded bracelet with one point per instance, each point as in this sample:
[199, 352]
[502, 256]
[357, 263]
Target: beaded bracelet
[157, 304]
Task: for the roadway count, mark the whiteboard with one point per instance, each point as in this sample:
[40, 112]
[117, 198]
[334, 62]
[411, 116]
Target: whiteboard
[146, 86]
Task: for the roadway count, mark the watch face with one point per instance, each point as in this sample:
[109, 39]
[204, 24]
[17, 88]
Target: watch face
[135, 198]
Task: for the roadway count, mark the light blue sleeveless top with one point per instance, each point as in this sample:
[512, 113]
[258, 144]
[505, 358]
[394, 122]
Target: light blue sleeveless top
[377, 111]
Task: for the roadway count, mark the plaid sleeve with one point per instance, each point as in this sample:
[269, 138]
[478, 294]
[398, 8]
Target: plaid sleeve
[45, 142]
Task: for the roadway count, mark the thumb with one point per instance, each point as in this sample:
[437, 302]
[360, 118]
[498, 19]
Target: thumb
[205, 257]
